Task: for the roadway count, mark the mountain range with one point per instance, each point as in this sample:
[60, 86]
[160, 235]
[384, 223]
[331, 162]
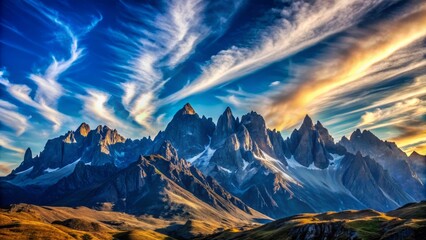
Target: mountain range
[232, 172]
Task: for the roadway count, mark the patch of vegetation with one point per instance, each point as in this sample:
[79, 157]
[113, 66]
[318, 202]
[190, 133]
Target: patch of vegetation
[367, 229]
[86, 237]
[73, 235]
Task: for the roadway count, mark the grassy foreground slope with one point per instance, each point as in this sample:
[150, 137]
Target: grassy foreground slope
[25, 221]
[407, 222]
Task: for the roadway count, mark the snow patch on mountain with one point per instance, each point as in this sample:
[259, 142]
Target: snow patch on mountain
[49, 170]
[224, 169]
[25, 171]
[245, 164]
[327, 179]
[202, 159]
[276, 166]
[50, 177]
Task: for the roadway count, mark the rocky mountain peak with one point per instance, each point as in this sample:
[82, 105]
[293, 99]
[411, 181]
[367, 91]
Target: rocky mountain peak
[256, 126]
[228, 111]
[309, 144]
[307, 123]
[187, 110]
[69, 137]
[389, 156]
[167, 151]
[415, 154]
[226, 125]
[356, 134]
[187, 132]
[28, 155]
[83, 129]
[324, 135]
[108, 135]
[367, 137]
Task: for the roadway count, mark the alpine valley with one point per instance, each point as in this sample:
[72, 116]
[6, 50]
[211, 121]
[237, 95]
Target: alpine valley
[198, 179]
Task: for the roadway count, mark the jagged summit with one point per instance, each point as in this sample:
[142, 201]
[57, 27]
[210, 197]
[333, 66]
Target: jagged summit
[389, 156]
[307, 123]
[275, 176]
[187, 110]
[187, 132]
[167, 151]
[28, 154]
[416, 154]
[365, 134]
[226, 125]
[83, 129]
[319, 124]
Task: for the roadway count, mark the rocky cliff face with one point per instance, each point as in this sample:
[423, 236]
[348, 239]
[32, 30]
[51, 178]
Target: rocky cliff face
[364, 224]
[159, 185]
[226, 125]
[418, 165]
[97, 147]
[371, 184]
[233, 165]
[187, 132]
[389, 156]
[308, 144]
[308, 172]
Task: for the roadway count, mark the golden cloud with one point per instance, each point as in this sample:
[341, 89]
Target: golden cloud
[349, 64]
[412, 137]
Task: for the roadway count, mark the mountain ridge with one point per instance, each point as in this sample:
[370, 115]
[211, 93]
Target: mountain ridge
[240, 159]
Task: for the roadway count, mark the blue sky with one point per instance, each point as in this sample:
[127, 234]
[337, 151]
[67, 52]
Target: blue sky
[132, 64]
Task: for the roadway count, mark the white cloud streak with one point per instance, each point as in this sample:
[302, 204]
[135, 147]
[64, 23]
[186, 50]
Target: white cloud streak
[21, 92]
[157, 42]
[11, 118]
[301, 25]
[95, 107]
[49, 90]
[6, 143]
[401, 112]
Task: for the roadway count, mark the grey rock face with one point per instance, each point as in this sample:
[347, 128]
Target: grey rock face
[28, 156]
[83, 177]
[256, 126]
[226, 125]
[99, 146]
[371, 184]
[389, 156]
[187, 132]
[144, 187]
[336, 230]
[27, 163]
[418, 164]
[307, 144]
[307, 172]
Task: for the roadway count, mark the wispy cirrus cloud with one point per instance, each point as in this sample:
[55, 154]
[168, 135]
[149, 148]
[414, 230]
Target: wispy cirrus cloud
[346, 65]
[49, 90]
[22, 93]
[11, 118]
[301, 25]
[397, 113]
[152, 43]
[412, 136]
[7, 143]
[5, 168]
[95, 106]
[153, 39]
